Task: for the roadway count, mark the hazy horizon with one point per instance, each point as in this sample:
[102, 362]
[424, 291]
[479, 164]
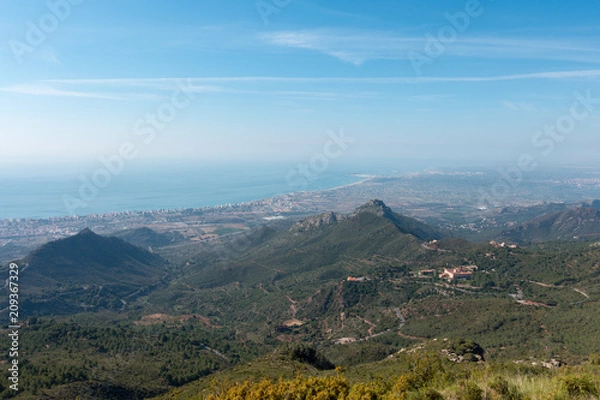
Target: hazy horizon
[462, 82]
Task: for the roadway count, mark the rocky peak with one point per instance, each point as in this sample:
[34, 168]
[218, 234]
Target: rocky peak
[316, 221]
[374, 206]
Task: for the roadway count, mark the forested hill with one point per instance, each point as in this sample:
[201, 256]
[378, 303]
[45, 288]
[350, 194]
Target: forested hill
[583, 223]
[87, 271]
[106, 319]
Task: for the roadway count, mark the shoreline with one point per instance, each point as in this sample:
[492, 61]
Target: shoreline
[363, 180]
[158, 211]
[26, 234]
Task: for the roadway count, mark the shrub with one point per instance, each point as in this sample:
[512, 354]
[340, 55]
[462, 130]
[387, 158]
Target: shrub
[425, 368]
[471, 350]
[579, 385]
[309, 355]
[428, 394]
[504, 389]
[468, 390]
[331, 388]
[368, 391]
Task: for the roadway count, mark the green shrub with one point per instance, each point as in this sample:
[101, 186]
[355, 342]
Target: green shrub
[368, 391]
[579, 385]
[309, 355]
[430, 394]
[468, 390]
[504, 389]
[425, 368]
[471, 350]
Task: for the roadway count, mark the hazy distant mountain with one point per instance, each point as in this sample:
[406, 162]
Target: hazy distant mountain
[88, 270]
[594, 204]
[568, 224]
[146, 237]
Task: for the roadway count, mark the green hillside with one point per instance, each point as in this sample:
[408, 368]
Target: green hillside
[87, 271]
[356, 289]
[148, 238]
[432, 370]
[561, 225]
[327, 251]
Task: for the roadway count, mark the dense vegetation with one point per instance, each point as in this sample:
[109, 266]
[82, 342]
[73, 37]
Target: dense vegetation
[470, 386]
[128, 324]
[581, 222]
[141, 360]
[415, 374]
[87, 272]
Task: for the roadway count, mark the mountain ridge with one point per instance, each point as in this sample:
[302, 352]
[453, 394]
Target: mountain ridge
[559, 225]
[323, 243]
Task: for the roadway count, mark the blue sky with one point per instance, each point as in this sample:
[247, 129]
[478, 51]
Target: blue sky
[268, 80]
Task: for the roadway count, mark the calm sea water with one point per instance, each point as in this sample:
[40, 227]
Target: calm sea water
[28, 191]
[40, 192]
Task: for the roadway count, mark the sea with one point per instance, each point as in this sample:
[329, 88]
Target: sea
[42, 191]
[46, 191]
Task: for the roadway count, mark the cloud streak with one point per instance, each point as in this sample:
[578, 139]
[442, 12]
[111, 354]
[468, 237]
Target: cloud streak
[53, 89]
[47, 90]
[357, 47]
[152, 89]
[168, 82]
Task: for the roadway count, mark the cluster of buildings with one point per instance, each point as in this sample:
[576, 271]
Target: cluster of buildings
[498, 245]
[450, 274]
[462, 272]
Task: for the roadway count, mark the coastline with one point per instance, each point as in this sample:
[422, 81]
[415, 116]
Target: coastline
[53, 213]
[159, 211]
[364, 180]
[19, 236]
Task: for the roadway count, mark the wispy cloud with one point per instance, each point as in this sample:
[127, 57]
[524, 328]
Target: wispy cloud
[159, 89]
[358, 47]
[554, 75]
[48, 90]
[153, 89]
[169, 82]
[355, 47]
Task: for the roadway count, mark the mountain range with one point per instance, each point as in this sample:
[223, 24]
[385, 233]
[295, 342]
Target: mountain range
[575, 223]
[358, 287]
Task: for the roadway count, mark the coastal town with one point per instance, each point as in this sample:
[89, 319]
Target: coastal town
[19, 236]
